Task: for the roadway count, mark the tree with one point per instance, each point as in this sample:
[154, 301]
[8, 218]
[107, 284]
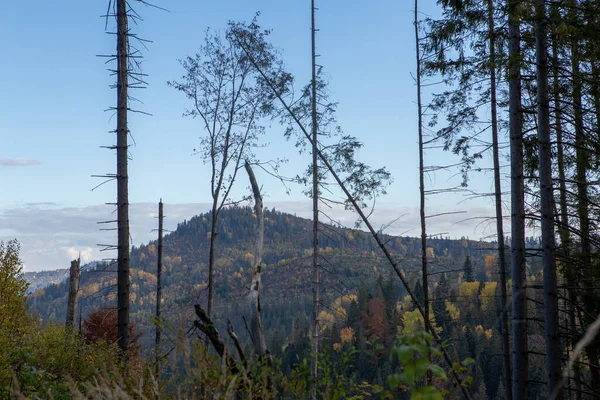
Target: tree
[258, 337]
[220, 82]
[467, 48]
[159, 268]
[315, 203]
[102, 326]
[553, 352]
[519, 280]
[424, 272]
[468, 270]
[14, 318]
[123, 280]
[498, 196]
[419, 293]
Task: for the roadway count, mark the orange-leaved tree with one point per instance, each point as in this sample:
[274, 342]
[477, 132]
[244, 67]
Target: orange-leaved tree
[101, 326]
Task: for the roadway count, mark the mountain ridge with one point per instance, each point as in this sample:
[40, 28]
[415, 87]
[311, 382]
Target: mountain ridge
[350, 258]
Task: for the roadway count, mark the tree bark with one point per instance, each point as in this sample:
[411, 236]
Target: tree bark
[158, 287]
[520, 379]
[315, 204]
[205, 324]
[553, 352]
[211, 258]
[424, 274]
[498, 202]
[563, 226]
[256, 328]
[73, 291]
[123, 279]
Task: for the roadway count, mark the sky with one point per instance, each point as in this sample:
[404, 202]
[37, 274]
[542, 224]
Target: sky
[55, 90]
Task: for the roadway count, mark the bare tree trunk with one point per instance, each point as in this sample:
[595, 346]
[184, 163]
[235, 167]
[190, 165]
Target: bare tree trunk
[216, 209]
[211, 259]
[258, 337]
[563, 229]
[158, 287]
[520, 379]
[498, 201]
[553, 352]
[73, 291]
[315, 200]
[424, 274]
[122, 180]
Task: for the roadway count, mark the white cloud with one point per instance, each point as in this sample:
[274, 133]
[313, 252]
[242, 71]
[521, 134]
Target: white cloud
[87, 254]
[17, 162]
[51, 237]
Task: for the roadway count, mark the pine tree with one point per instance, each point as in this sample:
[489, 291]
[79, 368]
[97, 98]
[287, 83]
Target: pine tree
[500, 393]
[468, 270]
[419, 294]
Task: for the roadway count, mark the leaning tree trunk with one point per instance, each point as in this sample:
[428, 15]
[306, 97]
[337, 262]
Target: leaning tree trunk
[122, 181]
[519, 279]
[498, 201]
[553, 352]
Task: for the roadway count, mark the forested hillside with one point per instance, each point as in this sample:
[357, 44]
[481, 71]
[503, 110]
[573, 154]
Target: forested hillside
[350, 257]
[41, 279]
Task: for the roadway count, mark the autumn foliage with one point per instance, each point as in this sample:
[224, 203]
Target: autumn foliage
[101, 326]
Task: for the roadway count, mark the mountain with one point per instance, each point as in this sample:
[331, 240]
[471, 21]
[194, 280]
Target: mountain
[42, 279]
[350, 260]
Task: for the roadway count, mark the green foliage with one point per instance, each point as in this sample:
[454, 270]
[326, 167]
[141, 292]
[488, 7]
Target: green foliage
[415, 353]
[468, 270]
[52, 361]
[14, 319]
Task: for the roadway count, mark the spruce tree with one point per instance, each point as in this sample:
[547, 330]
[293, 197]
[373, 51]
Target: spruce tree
[468, 270]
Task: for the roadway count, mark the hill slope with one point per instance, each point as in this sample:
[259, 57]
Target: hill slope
[350, 259]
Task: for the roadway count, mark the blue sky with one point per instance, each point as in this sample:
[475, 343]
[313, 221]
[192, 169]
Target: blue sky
[54, 90]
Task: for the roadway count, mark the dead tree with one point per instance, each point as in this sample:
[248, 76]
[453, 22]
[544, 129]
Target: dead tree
[73, 292]
[158, 287]
[315, 204]
[424, 274]
[498, 202]
[123, 278]
[256, 328]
